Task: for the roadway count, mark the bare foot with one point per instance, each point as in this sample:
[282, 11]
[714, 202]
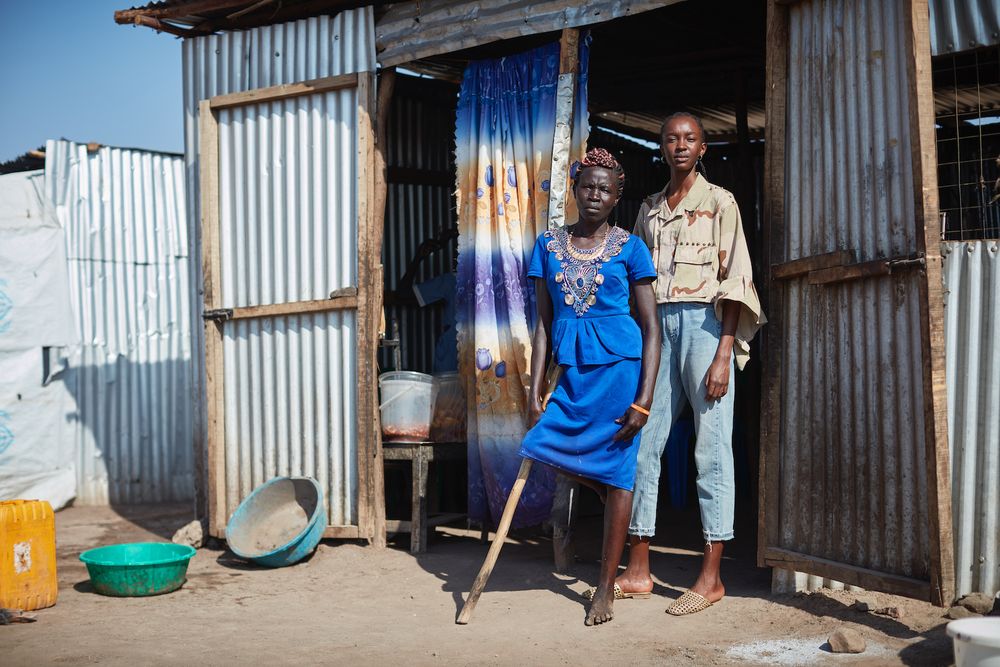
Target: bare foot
[710, 589]
[601, 607]
[632, 582]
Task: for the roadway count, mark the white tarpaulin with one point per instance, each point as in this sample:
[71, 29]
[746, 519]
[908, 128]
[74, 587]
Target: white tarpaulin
[36, 410]
[37, 444]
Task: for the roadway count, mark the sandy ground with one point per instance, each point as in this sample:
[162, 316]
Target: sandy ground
[353, 604]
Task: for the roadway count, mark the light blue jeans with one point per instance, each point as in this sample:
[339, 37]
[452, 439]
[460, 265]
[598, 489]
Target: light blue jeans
[691, 334]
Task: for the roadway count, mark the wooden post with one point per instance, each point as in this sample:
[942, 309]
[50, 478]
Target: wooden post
[775, 97]
[562, 139]
[501, 535]
[931, 287]
[211, 266]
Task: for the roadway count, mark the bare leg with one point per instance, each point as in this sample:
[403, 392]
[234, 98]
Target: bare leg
[600, 489]
[709, 583]
[636, 577]
[617, 512]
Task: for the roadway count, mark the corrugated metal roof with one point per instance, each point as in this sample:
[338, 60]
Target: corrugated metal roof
[972, 335]
[959, 25]
[194, 18]
[126, 234]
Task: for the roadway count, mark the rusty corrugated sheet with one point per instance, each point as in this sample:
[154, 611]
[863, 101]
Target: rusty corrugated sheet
[288, 214]
[412, 30]
[972, 334]
[959, 25]
[853, 467]
[127, 249]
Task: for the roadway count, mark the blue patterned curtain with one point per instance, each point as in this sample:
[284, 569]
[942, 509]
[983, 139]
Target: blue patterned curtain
[504, 132]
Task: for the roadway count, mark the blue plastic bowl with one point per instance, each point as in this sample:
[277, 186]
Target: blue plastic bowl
[279, 523]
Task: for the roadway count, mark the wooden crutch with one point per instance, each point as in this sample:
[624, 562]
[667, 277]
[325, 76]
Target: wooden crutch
[479, 584]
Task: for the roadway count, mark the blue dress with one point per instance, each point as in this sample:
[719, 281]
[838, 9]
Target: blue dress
[599, 347]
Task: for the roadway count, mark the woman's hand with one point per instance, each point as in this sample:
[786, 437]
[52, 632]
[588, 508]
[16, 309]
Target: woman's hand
[535, 411]
[717, 380]
[632, 422]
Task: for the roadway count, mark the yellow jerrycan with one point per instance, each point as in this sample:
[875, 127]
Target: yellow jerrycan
[27, 555]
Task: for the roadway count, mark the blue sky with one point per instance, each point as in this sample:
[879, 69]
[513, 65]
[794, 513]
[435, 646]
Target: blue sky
[68, 70]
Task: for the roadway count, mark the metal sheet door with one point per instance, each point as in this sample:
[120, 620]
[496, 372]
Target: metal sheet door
[286, 178]
[854, 450]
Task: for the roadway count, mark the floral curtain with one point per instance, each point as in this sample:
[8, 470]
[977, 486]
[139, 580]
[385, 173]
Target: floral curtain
[504, 133]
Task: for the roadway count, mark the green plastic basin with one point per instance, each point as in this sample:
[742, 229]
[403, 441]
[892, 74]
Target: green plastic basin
[137, 569]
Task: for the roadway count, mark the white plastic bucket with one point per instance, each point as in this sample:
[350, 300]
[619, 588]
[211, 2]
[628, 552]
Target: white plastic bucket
[976, 641]
[406, 406]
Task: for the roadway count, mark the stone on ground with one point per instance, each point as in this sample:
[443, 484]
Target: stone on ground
[847, 640]
[978, 603]
[958, 611]
[193, 534]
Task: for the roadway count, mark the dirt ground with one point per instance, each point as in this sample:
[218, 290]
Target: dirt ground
[358, 605]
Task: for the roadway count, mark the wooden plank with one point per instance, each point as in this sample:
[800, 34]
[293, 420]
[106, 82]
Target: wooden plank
[174, 10]
[371, 497]
[802, 266]
[211, 266]
[849, 574]
[569, 51]
[346, 301]
[840, 274]
[341, 533]
[376, 226]
[285, 91]
[931, 288]
[773, 244]
[404, 526]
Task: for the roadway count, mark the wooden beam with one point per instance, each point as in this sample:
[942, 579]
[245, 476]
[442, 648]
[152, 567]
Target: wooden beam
[769, 487]
[386, 84]
[343, 302]
[341, 533]
[842, 274]
[160, 26]
[802, 266]
[849, 574]
[176, 10]
[923, 158]
[562, 137]
[285, 91]
[211, 267]
[569, 51]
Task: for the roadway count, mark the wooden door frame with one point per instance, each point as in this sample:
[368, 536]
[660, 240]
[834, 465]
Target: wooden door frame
[940, 589]
[365, 298]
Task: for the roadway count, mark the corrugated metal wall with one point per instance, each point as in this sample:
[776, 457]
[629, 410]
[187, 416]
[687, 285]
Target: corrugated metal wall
[852, 468]
[959, 25]
[127, 248]
[972, 333]
[420, 204]
[288, 210]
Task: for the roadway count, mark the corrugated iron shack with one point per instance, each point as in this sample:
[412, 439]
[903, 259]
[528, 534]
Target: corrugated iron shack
[858, 136]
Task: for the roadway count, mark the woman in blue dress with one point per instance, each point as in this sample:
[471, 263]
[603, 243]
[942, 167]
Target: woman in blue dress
[584, 276]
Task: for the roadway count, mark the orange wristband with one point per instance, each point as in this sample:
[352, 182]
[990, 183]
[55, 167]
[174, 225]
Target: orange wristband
[639, 408]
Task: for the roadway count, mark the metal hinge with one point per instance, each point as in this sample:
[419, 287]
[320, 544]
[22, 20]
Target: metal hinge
[218, 315]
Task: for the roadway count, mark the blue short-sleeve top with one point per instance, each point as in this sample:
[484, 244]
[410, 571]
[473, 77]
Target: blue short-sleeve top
[591, 323]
